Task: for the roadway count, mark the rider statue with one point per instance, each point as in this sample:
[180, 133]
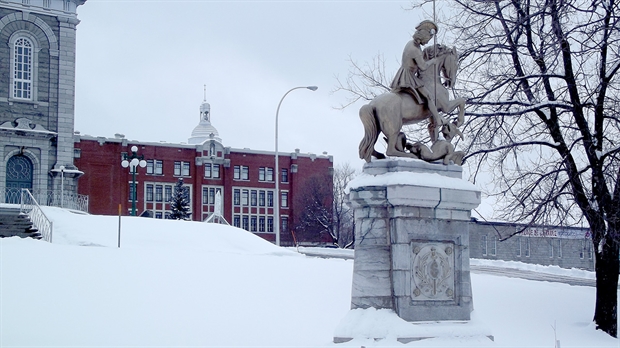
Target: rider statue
[407, 79]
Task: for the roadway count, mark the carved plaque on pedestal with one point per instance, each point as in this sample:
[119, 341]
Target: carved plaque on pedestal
[432, 272]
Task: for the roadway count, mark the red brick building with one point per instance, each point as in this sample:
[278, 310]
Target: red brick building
[245, 179]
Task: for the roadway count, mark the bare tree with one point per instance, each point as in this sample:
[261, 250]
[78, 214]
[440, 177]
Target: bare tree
[315, 199]
[325, 211]
[542, 117]
[343, 235]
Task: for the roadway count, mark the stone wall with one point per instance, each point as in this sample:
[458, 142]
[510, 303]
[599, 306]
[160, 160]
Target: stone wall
[493, 241]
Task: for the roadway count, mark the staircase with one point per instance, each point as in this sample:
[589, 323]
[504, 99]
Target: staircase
[16, 224]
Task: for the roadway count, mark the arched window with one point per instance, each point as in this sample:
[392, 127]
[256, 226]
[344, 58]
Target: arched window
[22, 69]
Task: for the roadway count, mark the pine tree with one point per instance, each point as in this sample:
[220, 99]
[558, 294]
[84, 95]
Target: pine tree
[179, 202]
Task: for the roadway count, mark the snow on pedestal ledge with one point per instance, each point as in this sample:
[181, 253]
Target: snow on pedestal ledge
[380, 324]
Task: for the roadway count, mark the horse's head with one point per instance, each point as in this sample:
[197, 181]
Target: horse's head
[450, 66]
[447, 62]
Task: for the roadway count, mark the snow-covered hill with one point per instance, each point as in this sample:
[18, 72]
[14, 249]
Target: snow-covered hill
[179, 283]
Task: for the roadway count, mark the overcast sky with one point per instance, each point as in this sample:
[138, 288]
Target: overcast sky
[142, 65]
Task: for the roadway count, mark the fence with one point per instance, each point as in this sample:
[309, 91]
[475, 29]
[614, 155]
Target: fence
[66, 200]
[30, 206]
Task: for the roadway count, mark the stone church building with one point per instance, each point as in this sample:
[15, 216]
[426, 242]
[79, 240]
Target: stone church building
[37, 92]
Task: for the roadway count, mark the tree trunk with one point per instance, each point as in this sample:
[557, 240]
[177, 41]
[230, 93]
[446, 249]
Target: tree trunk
[607, 267]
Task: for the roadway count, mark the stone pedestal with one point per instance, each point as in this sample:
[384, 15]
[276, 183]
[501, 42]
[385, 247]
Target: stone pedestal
[412, 223]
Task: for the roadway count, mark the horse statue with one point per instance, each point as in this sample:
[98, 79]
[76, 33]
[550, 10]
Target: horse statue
[389, 112]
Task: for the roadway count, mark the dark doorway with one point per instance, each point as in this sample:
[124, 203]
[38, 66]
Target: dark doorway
[18, 176]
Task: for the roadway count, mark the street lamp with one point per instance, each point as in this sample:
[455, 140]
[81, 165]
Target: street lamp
[133, 162]
[62, 186]
[277, 168]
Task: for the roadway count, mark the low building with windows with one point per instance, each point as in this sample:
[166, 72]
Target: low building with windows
[37, 90]
[566, 247]
[245, 179]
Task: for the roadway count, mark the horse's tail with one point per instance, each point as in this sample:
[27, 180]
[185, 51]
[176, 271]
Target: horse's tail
[371, 132]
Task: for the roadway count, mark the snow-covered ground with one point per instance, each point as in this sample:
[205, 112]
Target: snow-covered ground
[177, 283]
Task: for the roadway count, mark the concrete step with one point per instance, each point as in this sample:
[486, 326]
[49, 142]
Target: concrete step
[15, 224]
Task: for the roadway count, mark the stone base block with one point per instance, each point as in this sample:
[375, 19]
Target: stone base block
[412, 240]
[385, 324]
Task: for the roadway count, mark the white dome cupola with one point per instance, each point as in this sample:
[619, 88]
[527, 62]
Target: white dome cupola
[204, 130]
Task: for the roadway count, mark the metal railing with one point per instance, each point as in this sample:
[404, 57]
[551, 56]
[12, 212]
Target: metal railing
[67, 200]
[30, 206]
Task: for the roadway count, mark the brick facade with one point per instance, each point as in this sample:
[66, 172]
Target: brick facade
[247, 202]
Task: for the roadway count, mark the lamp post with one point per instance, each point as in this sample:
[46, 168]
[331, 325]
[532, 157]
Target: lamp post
[277, 168]
[133, 162]
[62, 186]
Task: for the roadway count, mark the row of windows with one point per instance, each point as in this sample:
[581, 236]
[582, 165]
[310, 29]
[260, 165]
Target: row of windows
[257, 198]
[209, 193]
[66, 4]
[162, 193]
[524, 247]
[181, 168]
[259, 224]
[264, 174]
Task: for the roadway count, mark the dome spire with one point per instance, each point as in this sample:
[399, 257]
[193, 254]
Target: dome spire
[204, 130]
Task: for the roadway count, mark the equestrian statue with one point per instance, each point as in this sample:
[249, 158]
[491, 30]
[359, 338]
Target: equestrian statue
[417, 93]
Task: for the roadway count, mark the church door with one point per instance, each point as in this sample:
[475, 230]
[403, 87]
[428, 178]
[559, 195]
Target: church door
[18, 176]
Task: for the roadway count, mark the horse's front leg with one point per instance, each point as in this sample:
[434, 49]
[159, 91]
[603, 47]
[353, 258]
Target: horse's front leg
[448, 106]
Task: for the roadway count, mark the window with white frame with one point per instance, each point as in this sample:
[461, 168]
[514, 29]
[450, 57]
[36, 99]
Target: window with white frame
[494, 246]
[237, 197]
[270, 224]
[245, 222]
[133, 191]
[518, 238]
[154, 166]
[269, 174]
[237, 221]
[284, 224]
[216, 171]
[483, 245]
[181, 168]
[244, 197]
[527, 247]
[253, 223]
[261, 198]
[270, 198]
[253, 198]
[261, 224]
[241, 173]
[261, 174]
[168, 193]
[208, 170]
[284, 175]
[159, 193]
[22, 69]
[149, 193]
[550, 241]
[245, 173]
[284, 199]
[559, 247]
[208, 194]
